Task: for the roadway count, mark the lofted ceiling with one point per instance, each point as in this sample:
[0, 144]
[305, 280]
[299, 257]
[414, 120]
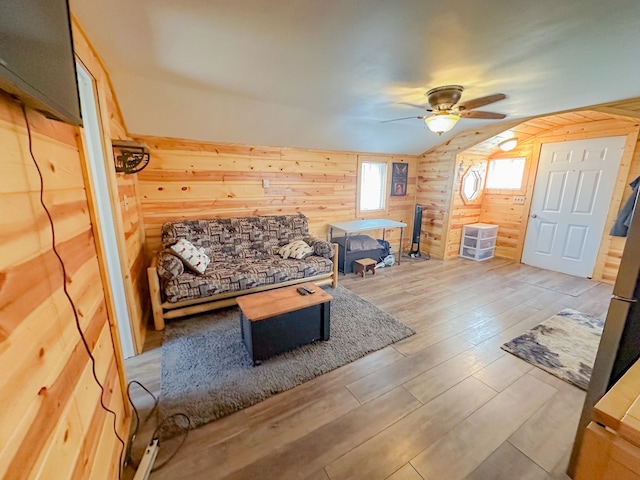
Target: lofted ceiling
[326, 73]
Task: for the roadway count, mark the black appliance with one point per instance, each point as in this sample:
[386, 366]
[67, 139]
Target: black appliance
[620, 343]
[37, 62]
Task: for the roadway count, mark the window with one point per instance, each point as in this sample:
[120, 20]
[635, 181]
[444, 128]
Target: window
[505, 173]
[471, 186]
[372, 187]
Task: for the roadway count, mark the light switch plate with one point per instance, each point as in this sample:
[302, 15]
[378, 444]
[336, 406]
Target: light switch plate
[519, 200]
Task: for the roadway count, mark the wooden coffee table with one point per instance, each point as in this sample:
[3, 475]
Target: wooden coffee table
[275, 321]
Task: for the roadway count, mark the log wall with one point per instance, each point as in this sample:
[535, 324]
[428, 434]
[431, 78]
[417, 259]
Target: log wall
[52, 422]
[189, 179]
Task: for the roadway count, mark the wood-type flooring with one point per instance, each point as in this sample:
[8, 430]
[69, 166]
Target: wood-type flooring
[446, 403]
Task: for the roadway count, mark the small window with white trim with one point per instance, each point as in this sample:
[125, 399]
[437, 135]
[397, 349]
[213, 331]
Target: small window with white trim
[505, 173]
[372, 186]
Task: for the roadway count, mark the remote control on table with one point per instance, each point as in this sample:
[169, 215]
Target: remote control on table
[301, 291]
[308, 289]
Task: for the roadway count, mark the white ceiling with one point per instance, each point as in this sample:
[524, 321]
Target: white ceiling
[325, 73]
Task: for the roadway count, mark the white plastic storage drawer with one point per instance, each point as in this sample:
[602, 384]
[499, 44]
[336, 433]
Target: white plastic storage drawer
[468, 253]
[477, 254]
[481, 230]
[478, 241]
[475, 243]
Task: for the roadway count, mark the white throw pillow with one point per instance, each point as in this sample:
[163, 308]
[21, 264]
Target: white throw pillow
[297, 249]
[192, 257]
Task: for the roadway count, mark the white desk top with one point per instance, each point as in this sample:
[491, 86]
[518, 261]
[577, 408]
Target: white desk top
[354, 226]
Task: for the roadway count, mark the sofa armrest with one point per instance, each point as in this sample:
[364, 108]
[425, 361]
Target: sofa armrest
[168, 265]
[321, 248]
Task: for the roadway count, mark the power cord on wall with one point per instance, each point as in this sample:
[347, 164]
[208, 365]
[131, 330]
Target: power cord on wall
[125, 450]
[66, 292]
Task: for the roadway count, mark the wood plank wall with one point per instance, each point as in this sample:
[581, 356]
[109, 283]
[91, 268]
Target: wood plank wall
[433, 192]
[436, 173]
[438, 180]
[131, 212]
[611, 250]
[189, 179]
[128, 209]
[462, 213]
[52, 422]
[498, 207]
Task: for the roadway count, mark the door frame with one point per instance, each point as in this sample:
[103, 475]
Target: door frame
[106, 232]
[631, 133]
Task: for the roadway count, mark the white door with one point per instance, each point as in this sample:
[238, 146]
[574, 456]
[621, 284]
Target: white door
[97, 169]
[571, 198]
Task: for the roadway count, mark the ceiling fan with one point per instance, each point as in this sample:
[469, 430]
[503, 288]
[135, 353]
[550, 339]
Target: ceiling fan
[443, 103]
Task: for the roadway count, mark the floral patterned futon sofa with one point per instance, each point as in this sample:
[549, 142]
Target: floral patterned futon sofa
[206, 264]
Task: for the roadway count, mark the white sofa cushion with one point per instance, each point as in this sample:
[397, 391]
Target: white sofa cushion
[297, 249]
[194, 258]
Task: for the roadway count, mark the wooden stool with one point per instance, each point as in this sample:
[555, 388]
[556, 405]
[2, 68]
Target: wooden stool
[364, 265]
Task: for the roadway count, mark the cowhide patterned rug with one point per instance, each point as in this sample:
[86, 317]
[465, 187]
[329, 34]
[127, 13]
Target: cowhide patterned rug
[565, 345]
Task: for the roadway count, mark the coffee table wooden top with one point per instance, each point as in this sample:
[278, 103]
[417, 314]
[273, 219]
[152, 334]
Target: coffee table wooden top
[278, 301]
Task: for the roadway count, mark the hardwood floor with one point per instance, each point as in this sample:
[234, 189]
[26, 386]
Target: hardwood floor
[444, 403]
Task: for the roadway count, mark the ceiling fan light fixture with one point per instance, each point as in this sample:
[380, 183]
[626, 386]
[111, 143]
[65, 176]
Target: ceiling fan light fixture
[508, 145]
[441, 122]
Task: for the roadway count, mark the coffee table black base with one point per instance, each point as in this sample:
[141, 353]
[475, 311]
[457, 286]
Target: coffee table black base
[275, 335]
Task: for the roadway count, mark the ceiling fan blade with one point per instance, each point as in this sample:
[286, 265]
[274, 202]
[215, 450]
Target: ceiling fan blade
[426, 107]
[403, 118]
[482, 101]
[481, 114]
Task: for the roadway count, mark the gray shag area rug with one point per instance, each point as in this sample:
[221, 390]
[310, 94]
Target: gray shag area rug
[565, 345]
[207, 372]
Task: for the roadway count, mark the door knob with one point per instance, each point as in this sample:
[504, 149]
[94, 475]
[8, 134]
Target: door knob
[534, 215]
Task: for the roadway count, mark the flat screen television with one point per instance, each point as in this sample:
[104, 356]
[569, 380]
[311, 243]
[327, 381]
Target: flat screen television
[37, 63]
